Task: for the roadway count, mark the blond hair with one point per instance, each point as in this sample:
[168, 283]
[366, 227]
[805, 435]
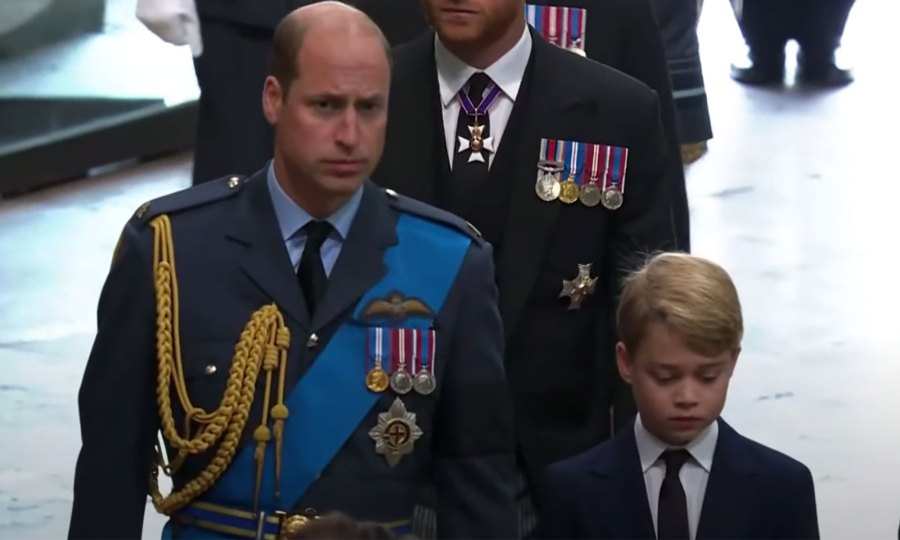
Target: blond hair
[691, 295]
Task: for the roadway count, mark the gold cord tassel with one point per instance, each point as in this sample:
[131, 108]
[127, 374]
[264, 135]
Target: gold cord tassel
[227, 422]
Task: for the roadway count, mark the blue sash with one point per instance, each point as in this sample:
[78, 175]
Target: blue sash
[331, 400]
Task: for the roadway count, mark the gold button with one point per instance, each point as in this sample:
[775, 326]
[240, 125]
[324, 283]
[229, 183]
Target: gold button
[234, 181]
[210, 369]
[293, 525]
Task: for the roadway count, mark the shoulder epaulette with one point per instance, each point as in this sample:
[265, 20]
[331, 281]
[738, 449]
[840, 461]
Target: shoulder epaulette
[413, 206]
[191, 197]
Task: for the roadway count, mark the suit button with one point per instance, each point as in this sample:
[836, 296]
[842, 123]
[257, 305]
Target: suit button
[312, 342]
[209, 369]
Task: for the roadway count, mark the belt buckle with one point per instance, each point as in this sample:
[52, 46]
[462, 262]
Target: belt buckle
[291, 523]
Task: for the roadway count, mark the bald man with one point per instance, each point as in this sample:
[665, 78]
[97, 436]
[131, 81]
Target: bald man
[305, 341]
[237, 40]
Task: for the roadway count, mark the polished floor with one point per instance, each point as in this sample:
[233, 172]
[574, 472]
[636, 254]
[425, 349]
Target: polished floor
[798, 198]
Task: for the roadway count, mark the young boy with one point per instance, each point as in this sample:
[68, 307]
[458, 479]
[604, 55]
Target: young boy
[680, 472]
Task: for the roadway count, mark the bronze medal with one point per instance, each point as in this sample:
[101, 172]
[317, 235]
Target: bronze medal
[590, 195]
[377, 380]
[612, 198]
[568, 192]
[579, 288]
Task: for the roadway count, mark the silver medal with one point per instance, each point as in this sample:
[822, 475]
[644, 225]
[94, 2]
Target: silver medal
[401, 382]
[425, 382]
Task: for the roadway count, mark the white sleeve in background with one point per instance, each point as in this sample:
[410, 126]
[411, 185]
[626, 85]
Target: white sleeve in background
[174, 21]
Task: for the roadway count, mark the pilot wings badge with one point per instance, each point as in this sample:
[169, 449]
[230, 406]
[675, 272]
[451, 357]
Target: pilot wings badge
[397, 308]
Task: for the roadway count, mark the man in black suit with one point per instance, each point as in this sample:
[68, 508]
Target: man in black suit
[237, 36]
[817, 25]
[531, 143]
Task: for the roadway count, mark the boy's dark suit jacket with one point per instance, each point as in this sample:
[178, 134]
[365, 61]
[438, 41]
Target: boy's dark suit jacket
[754, 492]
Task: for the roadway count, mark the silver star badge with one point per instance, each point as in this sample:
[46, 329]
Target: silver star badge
[579, 288]
[476, 144]
[395, 433]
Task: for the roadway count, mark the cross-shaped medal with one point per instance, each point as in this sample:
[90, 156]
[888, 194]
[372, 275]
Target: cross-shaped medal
[476, 142]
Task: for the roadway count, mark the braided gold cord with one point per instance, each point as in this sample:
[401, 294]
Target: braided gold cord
[263, 344]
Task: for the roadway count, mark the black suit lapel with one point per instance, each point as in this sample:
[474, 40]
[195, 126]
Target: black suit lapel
[728, 504]
[629, 511]
[361, 262]
[531, 221]
[261, 250]
[412, 155]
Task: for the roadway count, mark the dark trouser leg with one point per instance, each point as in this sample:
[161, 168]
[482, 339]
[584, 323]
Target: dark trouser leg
[677, 21]
[233, 136]
[764, 24]
[819, 31]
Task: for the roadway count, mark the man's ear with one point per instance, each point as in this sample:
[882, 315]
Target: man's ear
[272, 99]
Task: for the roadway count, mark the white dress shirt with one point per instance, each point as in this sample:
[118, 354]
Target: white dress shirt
[507, 73]
[694, 474]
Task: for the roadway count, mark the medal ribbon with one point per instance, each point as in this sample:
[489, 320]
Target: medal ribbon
[428, 362]
[375, 345]
[577, 17]
[399, 349]
[425, 341]
[607, 158]
[561, 26]
[575, 150]
[486, 102]
[591, 174]
[533, 16]
[552, 151]
[617, 164]
[550, 31]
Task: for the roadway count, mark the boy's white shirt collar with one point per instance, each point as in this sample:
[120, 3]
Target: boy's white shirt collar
[702, 448]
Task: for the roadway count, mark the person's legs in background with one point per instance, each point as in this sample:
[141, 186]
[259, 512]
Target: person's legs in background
[233, 136]
[819, 35]
[765, 25]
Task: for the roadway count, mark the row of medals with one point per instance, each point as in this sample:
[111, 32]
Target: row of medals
[549, 188]
[401, 381]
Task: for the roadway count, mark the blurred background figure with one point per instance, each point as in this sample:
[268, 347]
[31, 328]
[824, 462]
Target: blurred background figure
[230, 40]
[677, 21]
[816, 25]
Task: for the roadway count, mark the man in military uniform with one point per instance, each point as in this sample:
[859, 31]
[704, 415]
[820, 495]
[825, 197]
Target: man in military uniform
[816, 25]
[305, 341]
[562, 164]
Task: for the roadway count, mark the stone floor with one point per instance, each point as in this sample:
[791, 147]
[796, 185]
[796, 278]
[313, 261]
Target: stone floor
[797, 198]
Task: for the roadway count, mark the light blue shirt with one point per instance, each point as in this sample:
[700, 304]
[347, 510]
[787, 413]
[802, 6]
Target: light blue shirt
[291, 219]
